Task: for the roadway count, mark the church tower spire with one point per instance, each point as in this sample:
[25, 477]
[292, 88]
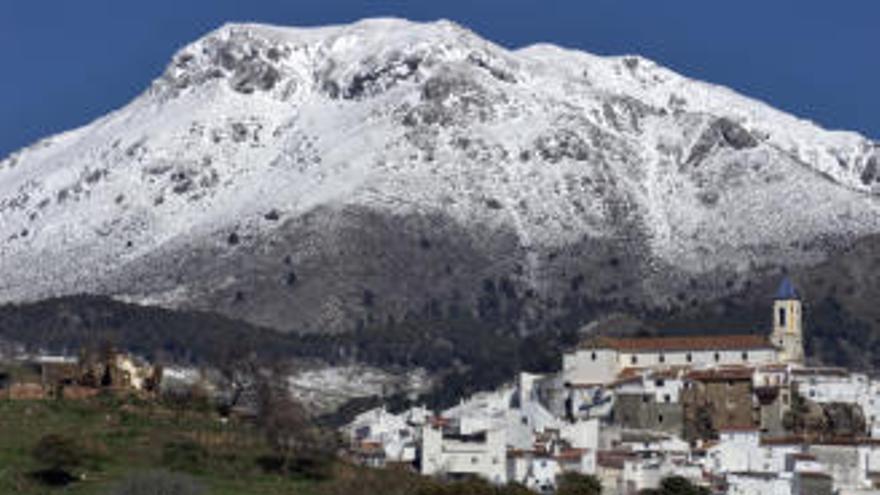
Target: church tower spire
[787, 332]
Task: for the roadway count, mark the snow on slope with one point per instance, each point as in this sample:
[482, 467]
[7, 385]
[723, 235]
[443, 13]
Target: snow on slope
[253, 128]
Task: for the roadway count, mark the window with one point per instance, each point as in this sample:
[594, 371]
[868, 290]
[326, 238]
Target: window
[634, 359]
[667, 398]
[662, 358]
[745, 355]
[646, 398]
[474, 460]
[593, 356]
[689, 357]
[660, 416]
[659, 383]
[781, 317]
[718, 356]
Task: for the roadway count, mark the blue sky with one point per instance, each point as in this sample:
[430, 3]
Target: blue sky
[67, 62]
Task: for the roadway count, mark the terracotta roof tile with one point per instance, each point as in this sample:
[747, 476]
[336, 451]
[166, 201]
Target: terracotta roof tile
[714, 374]
[611, 461]
[571, 454]
[681, 343]
[814, 474]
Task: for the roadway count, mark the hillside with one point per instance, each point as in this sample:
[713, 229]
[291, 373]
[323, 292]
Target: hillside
[326, 180]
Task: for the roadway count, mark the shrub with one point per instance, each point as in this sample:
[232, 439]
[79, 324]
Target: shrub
[157, 483]
[184, 455]
[58, 454]
[473, 486]
[579, 484]
[678, 485]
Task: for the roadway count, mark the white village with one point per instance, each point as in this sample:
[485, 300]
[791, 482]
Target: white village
[737, 414]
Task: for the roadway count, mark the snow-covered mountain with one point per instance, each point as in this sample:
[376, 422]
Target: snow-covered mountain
[324, 178]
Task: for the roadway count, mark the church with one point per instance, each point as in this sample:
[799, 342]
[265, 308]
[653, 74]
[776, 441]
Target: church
[601, 360]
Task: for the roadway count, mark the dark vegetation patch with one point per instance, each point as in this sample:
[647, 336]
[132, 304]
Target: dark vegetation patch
[870, 172]
[493, 204]
[464, 352]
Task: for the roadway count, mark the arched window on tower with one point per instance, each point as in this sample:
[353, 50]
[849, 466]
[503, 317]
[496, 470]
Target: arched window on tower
[781, 317]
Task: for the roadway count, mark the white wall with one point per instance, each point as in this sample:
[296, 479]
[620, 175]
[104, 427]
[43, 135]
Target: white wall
[452, 456]
[582, 434]
[697, 358]
[542, 475]
[587, 366]
[744, 484]
[845, 463]
[741, 452]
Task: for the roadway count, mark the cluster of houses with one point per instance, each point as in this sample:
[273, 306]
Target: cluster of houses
[81, 377]
[737, 414]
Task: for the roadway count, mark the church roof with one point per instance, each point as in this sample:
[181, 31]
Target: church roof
[786, 290]
[683, 343]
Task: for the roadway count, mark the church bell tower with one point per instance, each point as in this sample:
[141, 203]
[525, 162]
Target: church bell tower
[788, 324]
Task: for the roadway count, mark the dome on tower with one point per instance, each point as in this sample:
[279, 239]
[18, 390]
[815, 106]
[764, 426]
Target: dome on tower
[786, 290]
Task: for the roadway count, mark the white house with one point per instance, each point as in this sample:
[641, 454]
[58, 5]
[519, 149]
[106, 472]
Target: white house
[664, 386]
[395, 434]
[536, 471]
[759, 484]
[642, 473]
[826, 385]
[446, 451]
[539, 470]
[850, 463]
[743, 451]
[831, 385]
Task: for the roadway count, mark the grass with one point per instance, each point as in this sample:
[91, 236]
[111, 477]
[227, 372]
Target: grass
[118, 437]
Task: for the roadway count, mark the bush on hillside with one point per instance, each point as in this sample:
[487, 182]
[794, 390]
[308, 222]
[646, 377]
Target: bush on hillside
[579, 484]
[184, 455]
[58, 455]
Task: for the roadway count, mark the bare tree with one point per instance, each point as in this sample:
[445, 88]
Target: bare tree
[289, 429]
[240, 372]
